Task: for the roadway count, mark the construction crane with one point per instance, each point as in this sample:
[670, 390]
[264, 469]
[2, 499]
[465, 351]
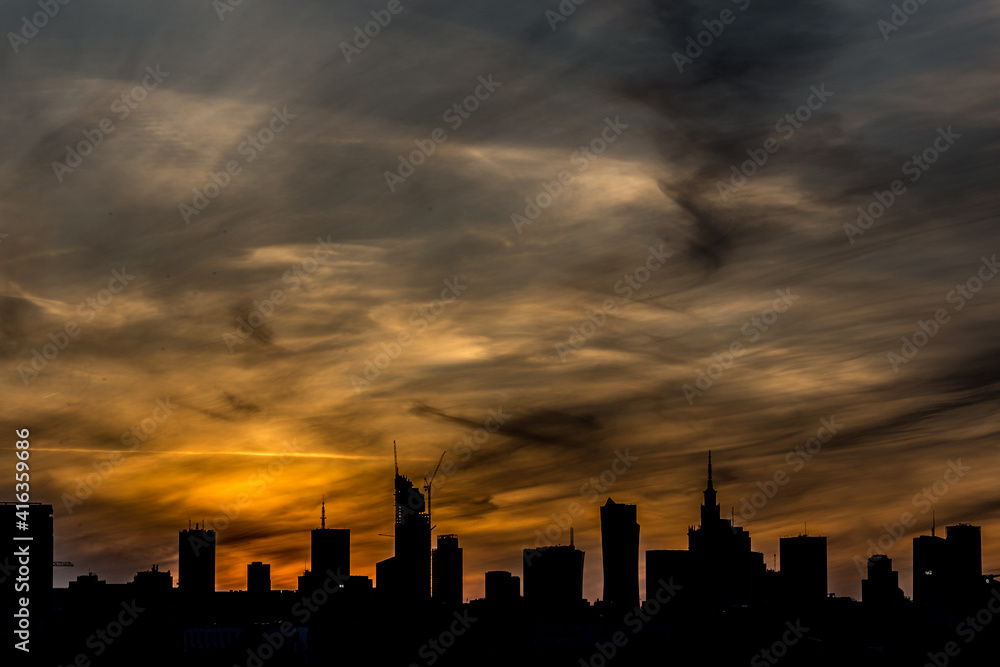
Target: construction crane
[62, 563]
[427, 487]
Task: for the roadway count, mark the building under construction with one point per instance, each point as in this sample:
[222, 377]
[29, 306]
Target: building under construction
[407, 575]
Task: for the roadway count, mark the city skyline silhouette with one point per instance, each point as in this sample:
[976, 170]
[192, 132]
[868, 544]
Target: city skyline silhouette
[666, 319]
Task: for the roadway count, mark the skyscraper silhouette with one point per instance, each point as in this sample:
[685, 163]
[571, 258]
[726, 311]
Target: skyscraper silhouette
[406, 576]
[446, 568]
[932, 569]
[330, 548]
[258, 578]
[718, 546]
[620, 554]
[553, 576]
[196, 561]
[803, 568]
[966, 544]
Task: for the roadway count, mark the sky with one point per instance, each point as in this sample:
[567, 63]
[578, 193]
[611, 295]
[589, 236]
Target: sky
[246, 247]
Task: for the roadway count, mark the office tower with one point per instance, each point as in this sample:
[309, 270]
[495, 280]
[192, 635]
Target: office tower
[882, 585]
[446, 571]
[965, 550]
[932, 569]
[553, 576]
[620, 554]
[501, 586]
[966, 545]
[258, 578]
[196, 561]
[803, 568]
[331, 549]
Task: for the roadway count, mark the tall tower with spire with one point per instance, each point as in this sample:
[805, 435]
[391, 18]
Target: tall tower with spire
[331, 549]
[710, 511]
[725, 570]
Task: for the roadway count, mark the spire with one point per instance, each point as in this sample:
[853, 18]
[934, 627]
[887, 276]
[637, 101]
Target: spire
[710, 510]
[322, 514]
[394, 459]
[933, 524]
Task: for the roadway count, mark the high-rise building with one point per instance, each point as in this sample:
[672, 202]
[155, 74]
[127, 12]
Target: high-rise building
[620, 554]
[196, 561]
[932, 569]
[726, 571]
[258, 578]
[406, 576]
[949, 570]
[803, 568]
[446, 571]
[966, 544]
[331, 549]
[553, 576]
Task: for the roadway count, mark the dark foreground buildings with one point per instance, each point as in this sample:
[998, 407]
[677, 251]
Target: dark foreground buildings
[719, 569]
[714, 603]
